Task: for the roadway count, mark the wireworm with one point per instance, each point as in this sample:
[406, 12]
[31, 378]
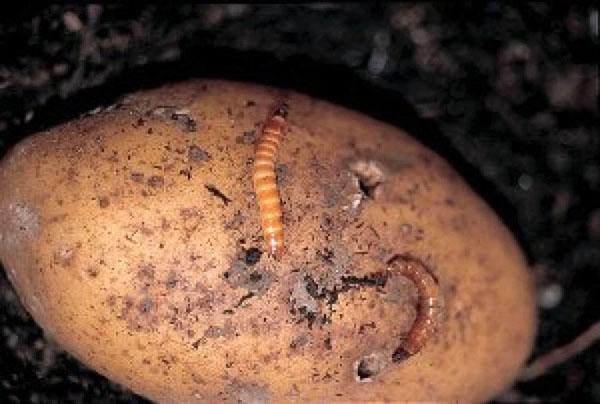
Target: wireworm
[265, 181]
[429, 304]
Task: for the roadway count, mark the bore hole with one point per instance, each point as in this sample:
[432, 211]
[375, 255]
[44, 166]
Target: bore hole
[312, 287]
[370, 176]
[252, 256]
[367, 368]
[366, 189]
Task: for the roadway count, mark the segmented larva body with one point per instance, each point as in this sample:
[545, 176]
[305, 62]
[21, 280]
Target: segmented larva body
[429, 308]
[265, 181]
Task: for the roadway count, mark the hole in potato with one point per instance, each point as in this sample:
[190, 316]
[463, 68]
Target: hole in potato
[369, 175]
[252, 256]
[368, 367]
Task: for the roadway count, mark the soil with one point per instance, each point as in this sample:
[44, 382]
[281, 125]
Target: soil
[507, 92]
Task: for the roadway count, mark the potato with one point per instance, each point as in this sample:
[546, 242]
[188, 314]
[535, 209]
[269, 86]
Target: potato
[132, 236]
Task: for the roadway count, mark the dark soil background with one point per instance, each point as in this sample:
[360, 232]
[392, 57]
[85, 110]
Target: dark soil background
[507, 92]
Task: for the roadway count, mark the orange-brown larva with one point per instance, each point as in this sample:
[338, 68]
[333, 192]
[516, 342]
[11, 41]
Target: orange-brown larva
[265, 182]
[429, 304]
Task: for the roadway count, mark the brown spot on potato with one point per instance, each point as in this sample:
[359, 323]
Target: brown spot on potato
[140, 314]
[146, 272]
[186, 173]
[146, 305]
[156, 181]
[364, 327]
[58, 218]
[300, 341]
[72, 174]
[145, 230]
[198, 379]
[137, 177]
[235, 222]
[103, 202]
[192, 218]
[189, 213]
[172, 280]
[92, 272]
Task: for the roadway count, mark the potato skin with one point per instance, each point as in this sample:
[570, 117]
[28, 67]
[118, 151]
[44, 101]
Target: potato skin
[120, 246]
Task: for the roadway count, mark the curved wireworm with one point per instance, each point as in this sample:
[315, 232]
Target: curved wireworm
[429, 304]
[265, 182]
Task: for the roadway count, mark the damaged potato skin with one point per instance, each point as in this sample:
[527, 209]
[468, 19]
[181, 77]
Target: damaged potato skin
[132, 236]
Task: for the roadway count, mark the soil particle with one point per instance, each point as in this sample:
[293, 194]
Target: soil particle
[302, 299]
[255, 280]
[197, 154]
[156, 181]
[283, 174]
[21, 222]
[181, 115]
[250, 394]
[227, 330]
[235, 222]
[217, 192]
[248, 137]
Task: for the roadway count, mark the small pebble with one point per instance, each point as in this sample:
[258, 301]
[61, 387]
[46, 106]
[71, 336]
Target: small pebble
[525, 182]
[550, 296]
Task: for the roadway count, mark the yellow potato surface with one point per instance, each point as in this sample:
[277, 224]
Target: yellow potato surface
[132, 235]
